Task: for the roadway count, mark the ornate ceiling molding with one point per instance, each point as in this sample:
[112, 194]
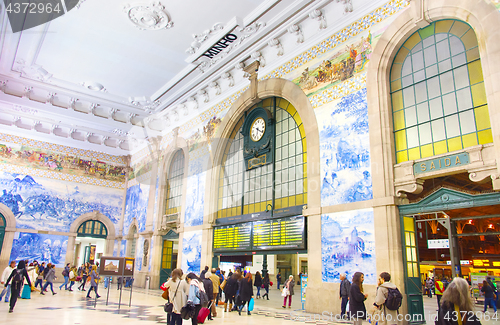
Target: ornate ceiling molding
[33, 71]
[200, 38]
[149, 16]
[347, 5]
[295, 29]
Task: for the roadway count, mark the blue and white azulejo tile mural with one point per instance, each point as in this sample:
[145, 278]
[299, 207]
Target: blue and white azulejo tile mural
[136, 206]
[345, 150]
[139, 248]
[348, 245]
[191, 252]
[40, 247]
[155, 210]
[47, 204]
[195, 195]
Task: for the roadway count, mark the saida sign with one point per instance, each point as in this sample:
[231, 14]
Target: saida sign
[441, 163]
[26, 14]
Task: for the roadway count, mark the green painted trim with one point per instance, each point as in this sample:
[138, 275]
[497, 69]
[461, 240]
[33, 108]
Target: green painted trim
[427, 31]
[170, 235]
[447, 199]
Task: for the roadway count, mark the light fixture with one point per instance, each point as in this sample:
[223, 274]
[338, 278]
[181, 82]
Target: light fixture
[267, 207]
[470, 222]
[490, 226]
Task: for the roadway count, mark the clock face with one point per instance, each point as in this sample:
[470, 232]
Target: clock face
[257, 129]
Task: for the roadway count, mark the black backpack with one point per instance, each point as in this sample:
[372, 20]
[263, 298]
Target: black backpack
[394, 299]
[17, 279]
[203, 299]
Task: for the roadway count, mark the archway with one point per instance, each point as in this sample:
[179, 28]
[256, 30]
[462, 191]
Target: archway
[93, 237]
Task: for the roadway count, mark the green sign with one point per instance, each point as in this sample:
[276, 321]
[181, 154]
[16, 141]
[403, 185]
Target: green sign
[441, 163]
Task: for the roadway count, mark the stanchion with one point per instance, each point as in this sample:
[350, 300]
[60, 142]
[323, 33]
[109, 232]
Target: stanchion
[121, 289]
[130, 301]
[107, 296]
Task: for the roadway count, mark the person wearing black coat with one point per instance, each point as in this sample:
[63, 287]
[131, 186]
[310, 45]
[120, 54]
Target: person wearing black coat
[246, 291]
[489, 296]
[230, 290]
[209, 290]
[357, 299]
[258, 283]
[266, 283]
[15, 288]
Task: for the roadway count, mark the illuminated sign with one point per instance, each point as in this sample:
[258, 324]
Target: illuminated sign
[273, 234]
[438, 243]
[233, 237]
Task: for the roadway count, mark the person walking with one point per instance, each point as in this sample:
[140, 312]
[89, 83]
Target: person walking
[428, 285]
[495, 289]
[49, 279]
[489, 296]
[246, 292]
[456, 300]
[382, 305]
[265, 283]
[17, 276]
[178, 290]
[72, 277]
[65, 274]
[215, 284]
[357, 299]
[39, 278]
[209, 290]
[278, 279]
[258, 283]
[195, 286]
[5, 275]
[439, 290]
[94, 278]
[288, 285]
[230, 290]
[84, 275]
[345, 288]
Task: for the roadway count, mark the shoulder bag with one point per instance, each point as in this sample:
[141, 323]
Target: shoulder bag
[169, 306]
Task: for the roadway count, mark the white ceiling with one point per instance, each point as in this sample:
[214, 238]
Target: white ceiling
[94, 79]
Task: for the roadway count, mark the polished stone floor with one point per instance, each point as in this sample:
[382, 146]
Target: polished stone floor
[147, 308]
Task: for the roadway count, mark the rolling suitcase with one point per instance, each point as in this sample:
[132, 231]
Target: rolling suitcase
[26, 294]
[203, 314]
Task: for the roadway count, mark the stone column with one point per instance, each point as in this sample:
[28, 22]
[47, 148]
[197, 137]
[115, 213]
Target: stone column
[8, 239]
[70, 249]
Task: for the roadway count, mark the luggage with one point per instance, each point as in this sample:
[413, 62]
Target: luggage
[251, 304]
[203, 314]
[26, 294]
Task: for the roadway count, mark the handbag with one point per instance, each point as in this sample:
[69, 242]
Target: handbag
[223, 284]
[284, 293]
[164, 295]
[169, 306]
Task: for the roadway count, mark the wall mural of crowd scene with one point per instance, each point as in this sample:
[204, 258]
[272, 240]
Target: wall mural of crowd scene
[40, 247]
[191, 251]
[348, 245]
[46, 204]
[136, 207]
[345, 150]
[43, 159]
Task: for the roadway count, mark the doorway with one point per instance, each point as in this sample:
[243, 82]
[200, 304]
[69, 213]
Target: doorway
[90, 243]
[170, 250]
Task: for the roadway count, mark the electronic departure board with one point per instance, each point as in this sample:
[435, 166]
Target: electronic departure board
[233, 237]
[283, 233]
[273, 234]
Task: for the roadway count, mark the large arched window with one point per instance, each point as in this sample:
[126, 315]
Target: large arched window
[281, 184]
[174, 183]
[438, 95]
[92, 228]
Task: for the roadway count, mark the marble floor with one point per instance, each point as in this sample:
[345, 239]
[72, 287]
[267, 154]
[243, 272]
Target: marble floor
[72, 308]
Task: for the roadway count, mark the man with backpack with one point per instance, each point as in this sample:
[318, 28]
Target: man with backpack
[6, 273]
[17, 276]
[387, 301]
[65, 274]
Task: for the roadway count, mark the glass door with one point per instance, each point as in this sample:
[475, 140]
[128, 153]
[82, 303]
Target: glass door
[166, 260]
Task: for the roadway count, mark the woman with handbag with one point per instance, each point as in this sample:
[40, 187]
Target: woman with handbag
[177, 293]
[265, 285]
[258, 283]
[246, 292]
[288, 291]
[195, 286]
[94, 281]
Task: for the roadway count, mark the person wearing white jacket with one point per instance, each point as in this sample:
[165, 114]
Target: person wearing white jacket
[5, 275]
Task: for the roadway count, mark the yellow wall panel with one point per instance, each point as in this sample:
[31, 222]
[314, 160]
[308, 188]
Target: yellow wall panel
[485, 137]
[396, 71]
[478, 94]
[412, 41]
[443, 26]
[427, 151]
[459, 28]
[440, 147]
[469, 39]
[475, 72]
[482, 116]
[400, 140]
[469, 140]
[400, 58]
[397, 101]
[402, 156]
[454, 144]
[396, 85]
[472, 54]
[414, 153]
[399, 120]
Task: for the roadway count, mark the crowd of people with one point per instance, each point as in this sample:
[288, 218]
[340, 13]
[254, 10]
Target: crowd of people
[22, 278]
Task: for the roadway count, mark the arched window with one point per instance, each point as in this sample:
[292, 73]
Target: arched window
[438, 95]
[174, 183]
[92, 228]
[281, 184]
